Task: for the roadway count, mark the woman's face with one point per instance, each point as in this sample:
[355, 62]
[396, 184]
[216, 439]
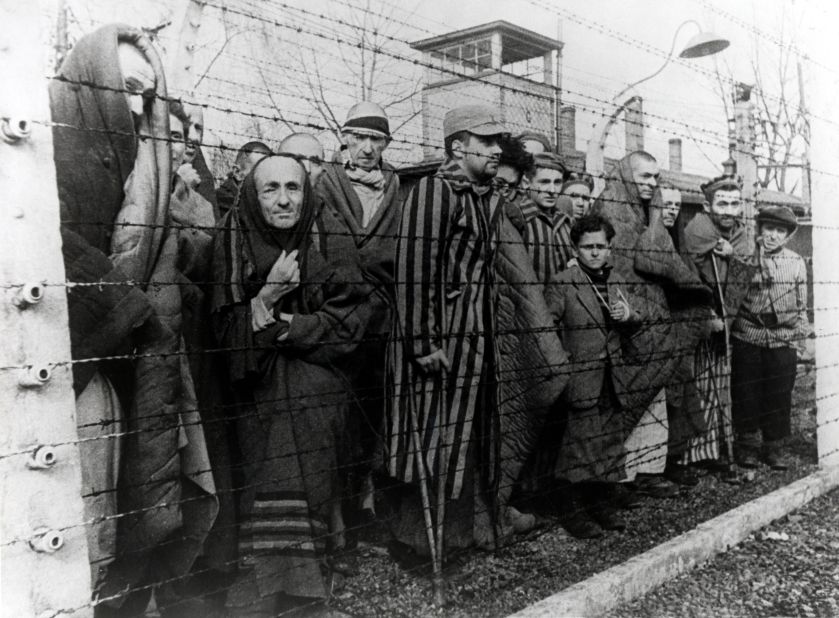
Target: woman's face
[280, 185]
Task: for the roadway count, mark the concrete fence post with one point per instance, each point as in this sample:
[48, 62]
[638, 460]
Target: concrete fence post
[824, 155]
[45, 569]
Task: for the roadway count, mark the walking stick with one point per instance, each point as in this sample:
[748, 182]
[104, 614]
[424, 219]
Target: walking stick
[436, 561]
[727, 429]
[439, 583]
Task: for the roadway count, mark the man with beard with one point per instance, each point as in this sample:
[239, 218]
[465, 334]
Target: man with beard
[717, 241]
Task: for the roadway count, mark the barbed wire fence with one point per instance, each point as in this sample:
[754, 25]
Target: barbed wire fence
[249, 94]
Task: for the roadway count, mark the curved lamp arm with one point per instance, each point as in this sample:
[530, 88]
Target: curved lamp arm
[663, 66]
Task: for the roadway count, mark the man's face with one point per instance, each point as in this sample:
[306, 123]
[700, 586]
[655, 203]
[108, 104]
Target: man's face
[195, 132]
[533, 146]
[177, 141]
[545, 187]
[580, 196]
[506, 180]
[280, 183]
[138, 76]
[593, 250]
[671, 206]
[774, 235]
[645, 176]
[479, 156]
[365, 149]
[725, 208]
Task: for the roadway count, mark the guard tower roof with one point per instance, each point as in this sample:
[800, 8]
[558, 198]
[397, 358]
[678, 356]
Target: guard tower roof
[517, 43]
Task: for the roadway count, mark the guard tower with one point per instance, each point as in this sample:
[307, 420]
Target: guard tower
[498, 64]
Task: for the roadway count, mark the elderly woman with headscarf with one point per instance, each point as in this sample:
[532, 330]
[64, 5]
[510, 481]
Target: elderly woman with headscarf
[288, 313]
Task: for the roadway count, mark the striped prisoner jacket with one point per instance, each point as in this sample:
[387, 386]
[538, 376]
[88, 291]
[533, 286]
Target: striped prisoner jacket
[445, 291]
[547, 238]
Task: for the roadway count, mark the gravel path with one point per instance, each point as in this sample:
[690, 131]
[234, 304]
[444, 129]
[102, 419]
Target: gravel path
[546, 560]
[790, 568]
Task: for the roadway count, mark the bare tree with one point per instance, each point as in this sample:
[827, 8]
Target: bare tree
[364, 63]
[781, 121]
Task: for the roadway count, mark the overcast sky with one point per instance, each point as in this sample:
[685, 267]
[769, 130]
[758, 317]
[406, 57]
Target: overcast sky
[607, 45]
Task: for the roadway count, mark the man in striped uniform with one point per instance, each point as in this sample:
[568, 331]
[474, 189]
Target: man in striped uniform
[444, 361]
[547, 230]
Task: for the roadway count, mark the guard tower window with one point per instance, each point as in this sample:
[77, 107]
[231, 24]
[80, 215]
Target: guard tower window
[464, 59]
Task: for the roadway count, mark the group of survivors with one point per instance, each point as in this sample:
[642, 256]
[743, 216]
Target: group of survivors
[249, 357]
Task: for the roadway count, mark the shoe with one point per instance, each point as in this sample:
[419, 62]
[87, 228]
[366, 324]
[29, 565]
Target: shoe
[681, 475]
[625, 498]
[521, 523]
[344, 561]
[655, 486]
[775, 458]
[607, 517]
[746, 457]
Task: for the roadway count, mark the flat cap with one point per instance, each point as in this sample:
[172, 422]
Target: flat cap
[777, 214]
[477, 119]
[549, 160]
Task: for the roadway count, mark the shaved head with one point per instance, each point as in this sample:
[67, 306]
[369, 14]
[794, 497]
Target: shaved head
[306, 146]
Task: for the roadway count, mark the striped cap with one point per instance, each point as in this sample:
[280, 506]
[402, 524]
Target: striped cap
[368, 118]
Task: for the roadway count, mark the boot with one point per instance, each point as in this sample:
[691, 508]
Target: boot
[574, 517]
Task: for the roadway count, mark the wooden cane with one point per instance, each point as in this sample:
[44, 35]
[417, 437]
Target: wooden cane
[728, 430]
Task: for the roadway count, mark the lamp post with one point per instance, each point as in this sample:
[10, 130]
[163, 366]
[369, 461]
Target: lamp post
[701, 44]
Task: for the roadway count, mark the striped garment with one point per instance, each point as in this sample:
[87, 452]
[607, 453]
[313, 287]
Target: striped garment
[445, 289]
[547, 238]
[778, 288]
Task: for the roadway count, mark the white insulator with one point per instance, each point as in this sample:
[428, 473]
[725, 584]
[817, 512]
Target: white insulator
[29, 294]
[15, 129]
[42, 458]
[35, 376]
[47, 541]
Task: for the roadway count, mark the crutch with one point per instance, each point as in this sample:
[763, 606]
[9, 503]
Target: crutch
[725, 398]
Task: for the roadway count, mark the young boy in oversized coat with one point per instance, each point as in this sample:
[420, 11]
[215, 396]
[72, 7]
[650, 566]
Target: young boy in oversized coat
[596, 325]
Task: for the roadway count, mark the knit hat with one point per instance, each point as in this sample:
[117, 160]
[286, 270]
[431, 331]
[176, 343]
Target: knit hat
[477, 119]
[777, 214]
[367, 118]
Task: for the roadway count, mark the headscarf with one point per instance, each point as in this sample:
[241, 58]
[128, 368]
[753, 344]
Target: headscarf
[96, 147]
[252, 245]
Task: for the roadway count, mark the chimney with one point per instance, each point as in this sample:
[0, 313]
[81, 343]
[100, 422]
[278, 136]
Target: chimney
[634, 125]
[568, 127]
[675, 154]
